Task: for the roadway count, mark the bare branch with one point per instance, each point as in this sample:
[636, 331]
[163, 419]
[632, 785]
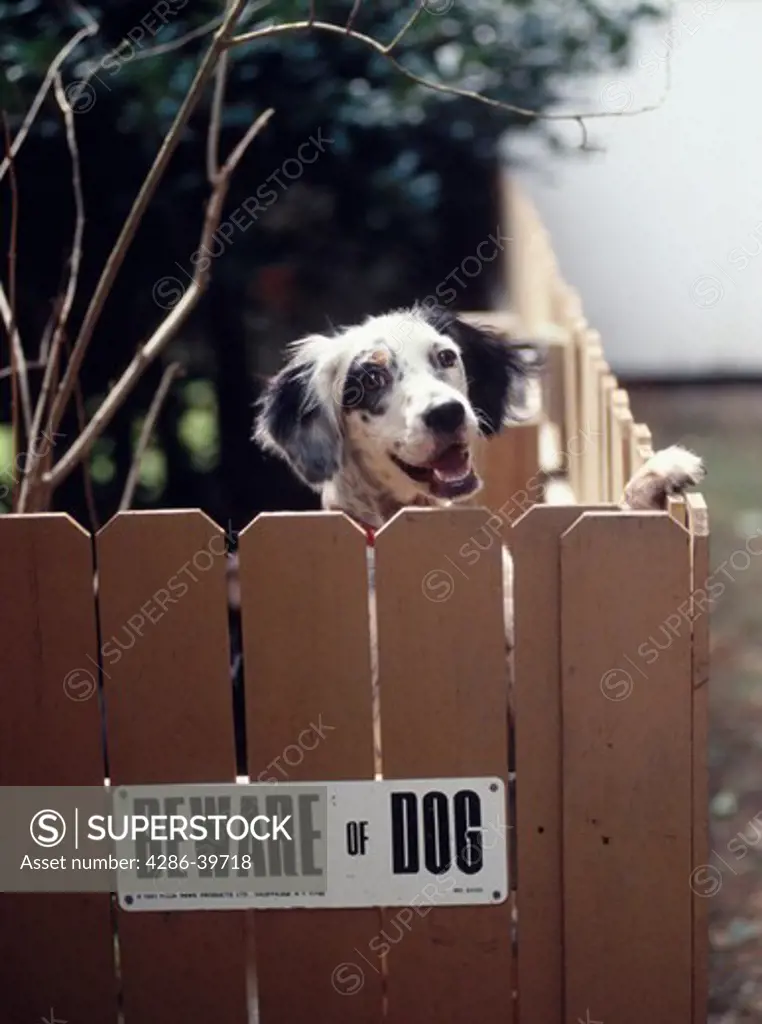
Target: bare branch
[146, 433]
[215, 120]
[19, 367]
[47, 333]
[235, 157]
[427, 83]
[220, 82]
[79, 206]
[585, 143]
[8, 370]
[92, 510]
[90, 28]
[29, 480]
[408, 24]
[64, 307]
[352, 15]
[19, 375]
[169, 326]
[147, 190]
[195, 33]
[176, 44]
[213, 136]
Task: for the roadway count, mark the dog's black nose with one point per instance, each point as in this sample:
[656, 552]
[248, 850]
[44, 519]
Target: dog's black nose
[445, 418]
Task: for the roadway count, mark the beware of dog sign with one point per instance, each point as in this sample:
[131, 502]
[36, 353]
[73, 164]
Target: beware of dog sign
[334, 844]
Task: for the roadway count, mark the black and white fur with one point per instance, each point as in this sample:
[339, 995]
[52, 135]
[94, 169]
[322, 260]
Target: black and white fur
[385, 415]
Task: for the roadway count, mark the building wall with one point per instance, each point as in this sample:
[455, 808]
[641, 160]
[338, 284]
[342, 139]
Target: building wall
[661, 228]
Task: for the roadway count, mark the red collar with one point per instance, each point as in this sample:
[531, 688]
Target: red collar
[368, 530]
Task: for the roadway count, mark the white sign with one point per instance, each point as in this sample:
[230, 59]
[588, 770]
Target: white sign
[386, 843]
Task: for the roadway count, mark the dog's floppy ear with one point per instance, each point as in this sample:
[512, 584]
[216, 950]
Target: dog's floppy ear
[498, 370]
[299, 423]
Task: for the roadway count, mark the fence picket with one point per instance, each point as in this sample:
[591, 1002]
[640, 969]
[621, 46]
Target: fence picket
[56, 949]
[608, 389]
[443, 685]
[510, 468]
[698, 523]
[169, 717]
[535, 546]
[621, 461]
[627, 768]
[641, 445]
[304, 598]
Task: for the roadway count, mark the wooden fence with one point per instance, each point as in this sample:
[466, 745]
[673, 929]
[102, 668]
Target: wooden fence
[610, 731]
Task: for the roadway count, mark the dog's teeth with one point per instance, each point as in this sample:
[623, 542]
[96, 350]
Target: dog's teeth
[450, 478]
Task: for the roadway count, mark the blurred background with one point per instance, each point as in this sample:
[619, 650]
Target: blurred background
[370, 190]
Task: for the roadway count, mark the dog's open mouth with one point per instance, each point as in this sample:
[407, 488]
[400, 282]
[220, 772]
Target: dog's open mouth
[450, 475]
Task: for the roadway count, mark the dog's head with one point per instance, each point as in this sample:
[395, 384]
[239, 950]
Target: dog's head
[402, 397]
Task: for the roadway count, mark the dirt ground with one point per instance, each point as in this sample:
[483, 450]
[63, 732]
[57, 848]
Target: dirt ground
[724, 424]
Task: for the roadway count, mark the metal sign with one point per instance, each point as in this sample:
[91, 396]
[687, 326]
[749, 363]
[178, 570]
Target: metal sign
[369, 843]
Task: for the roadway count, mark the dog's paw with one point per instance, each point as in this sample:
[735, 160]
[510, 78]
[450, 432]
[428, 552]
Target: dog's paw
[677, 467]
[668, 472]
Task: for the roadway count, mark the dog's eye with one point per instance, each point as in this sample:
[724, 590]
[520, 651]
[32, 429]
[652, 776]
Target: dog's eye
[373, 378]
[447, 358]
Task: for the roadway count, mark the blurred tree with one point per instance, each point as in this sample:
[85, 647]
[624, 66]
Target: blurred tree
[402, 190]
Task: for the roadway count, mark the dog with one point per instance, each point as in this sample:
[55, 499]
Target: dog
[386, 414]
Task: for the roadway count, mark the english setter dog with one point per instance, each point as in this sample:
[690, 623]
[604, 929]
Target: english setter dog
[385, 415]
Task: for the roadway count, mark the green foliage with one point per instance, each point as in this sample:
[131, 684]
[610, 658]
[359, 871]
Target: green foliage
[6, 466]
[198, 427]
[515, 51]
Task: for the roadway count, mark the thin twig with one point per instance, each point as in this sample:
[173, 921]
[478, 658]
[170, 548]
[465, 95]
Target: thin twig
[175, 44]
[90, 28]
[235, 157]
[312, 10]
[79, 207]
[352, 15]
[195, 33]
[215, 125]
[218, 100]
[20, 378]
[151, 51]
[31, 477]
[146, 193]
[215, 118]
[169, 326]
[47, 334]
[408, 25]
[146, 433]
[79, 405]
[427, 83]
[19, 367]
[8, 371]
[585, 144]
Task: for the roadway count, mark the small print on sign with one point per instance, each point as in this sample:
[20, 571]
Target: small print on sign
[334, 844]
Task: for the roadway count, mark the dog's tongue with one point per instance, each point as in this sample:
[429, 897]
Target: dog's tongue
[453, 462]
